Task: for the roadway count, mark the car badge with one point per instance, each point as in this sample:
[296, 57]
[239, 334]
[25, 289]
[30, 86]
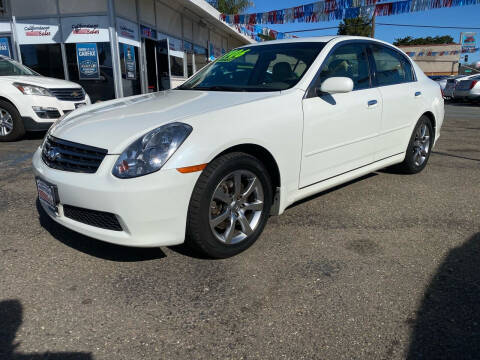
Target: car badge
[53, 154]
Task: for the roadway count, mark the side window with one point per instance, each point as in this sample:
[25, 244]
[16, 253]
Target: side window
[347, 61]
[392, 67]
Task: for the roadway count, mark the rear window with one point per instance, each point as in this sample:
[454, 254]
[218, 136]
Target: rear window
[392, 67]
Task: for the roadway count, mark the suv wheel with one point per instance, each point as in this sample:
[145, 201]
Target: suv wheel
[11, 125]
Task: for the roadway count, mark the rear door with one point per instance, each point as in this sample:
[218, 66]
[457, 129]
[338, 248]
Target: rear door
[402, 98]
[340, 129]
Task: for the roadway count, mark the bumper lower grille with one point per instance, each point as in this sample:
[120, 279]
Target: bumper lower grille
[69, 156]
[75, 94]
[95, 218]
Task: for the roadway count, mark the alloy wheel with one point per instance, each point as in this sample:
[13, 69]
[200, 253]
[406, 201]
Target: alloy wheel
[6, 122]
[236, 207]
[421, 145]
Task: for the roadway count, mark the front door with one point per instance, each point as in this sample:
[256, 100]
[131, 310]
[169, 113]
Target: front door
[340, 130]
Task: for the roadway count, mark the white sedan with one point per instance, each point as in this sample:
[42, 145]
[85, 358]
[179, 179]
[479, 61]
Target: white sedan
[252, 133]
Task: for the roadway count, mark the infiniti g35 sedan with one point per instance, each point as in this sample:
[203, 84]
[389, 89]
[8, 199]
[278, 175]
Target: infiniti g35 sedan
[255, 131]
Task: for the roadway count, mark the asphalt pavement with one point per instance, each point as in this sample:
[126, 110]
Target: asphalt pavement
[385, 267]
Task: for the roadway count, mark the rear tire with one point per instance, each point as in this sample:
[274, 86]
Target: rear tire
[419, 147]
[230, 205]
[11, 124]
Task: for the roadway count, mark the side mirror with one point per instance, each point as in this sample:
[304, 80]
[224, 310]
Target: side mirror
[336, 85]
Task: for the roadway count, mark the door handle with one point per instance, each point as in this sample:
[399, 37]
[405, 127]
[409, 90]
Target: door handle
[372, 103]
[418, 93]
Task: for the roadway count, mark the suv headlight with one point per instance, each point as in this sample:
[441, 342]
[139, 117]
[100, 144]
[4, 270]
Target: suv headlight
[149, 153]
[28, 89]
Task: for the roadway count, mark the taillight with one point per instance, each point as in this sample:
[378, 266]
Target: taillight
[472, 84]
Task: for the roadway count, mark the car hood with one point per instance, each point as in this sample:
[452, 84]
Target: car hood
[115, 124]
[42, 81]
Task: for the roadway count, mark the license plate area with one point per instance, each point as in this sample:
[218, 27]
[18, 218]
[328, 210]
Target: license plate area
[48, 194]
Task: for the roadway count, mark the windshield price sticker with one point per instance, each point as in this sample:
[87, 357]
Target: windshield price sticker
[233, 55]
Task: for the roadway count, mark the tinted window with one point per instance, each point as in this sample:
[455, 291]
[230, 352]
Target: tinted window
[347, 61]
[99, 89]
[257, 68]
[392, 67]
[44, 59]
[10, 67]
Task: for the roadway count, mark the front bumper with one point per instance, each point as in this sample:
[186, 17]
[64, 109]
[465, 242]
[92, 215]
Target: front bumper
[33, 122]
[151, 209]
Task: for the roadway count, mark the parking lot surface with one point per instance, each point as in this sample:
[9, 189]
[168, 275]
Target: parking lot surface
[386, 267]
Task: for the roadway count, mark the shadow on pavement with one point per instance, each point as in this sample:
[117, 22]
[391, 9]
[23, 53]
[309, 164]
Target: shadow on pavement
[448, 321]
[455, 156]
[10, 320]
[95, 247]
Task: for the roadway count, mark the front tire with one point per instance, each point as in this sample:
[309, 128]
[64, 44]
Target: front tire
[419, 147]
[230, 205]
[11, 125]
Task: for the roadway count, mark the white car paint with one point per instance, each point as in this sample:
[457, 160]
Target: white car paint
[25, 103]
[315, 144]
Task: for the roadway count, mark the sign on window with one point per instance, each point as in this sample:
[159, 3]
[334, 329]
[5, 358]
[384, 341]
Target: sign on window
[129, 60]
[5, 47]
[87, 60]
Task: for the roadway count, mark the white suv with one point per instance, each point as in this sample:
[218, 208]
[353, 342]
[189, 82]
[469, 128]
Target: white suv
[31, 102]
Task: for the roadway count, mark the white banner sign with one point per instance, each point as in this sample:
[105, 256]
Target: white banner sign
[5, 26]
[45, 31]
[127, 32]
[85, 29]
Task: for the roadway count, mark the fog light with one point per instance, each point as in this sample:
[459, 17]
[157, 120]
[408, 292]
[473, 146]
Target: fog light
[46, 112]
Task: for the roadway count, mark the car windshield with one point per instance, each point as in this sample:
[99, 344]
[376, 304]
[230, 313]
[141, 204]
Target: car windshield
[257, 68]
[10, 67]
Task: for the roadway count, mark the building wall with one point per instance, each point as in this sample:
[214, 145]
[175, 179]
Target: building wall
[192, 27]
[435, 65]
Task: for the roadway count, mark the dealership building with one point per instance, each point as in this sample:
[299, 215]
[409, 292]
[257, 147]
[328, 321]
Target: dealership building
[436, 59]
[115, 48]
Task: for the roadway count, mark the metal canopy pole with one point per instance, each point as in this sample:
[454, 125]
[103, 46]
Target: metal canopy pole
[117, 71]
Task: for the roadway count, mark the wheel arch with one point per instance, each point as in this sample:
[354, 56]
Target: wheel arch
[431, 116]
[267, 159]
[3, 98]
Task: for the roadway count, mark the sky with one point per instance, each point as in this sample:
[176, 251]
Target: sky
[455, 16]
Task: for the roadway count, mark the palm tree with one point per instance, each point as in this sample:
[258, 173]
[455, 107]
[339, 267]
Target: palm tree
[233, 6]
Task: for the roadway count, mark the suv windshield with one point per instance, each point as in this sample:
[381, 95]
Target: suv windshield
[10, 67]
[257, 68]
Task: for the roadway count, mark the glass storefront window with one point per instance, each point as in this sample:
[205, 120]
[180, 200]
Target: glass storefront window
[130, 70]
[45, 59]
[200, 57]
[176, 66]
[101, 89]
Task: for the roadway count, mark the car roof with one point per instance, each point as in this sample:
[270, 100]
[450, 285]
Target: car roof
[317, 39]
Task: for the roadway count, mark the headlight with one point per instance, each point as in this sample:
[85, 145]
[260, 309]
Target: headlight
[149, 153]
[27, 89]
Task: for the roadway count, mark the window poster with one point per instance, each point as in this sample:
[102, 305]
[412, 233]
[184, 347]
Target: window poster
[87, 60]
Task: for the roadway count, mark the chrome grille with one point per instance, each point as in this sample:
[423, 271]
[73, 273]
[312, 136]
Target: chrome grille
[69, 156]
[75, 94]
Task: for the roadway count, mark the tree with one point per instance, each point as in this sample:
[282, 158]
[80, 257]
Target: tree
[360, 26]
[408, 40]
[233, 6]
